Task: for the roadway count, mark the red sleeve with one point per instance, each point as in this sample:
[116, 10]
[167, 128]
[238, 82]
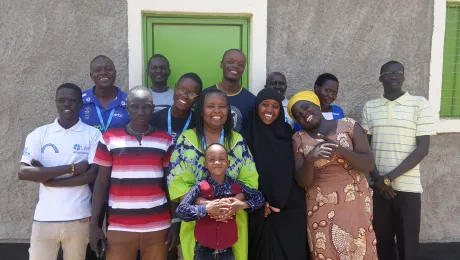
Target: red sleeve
[103, 155]
[167, 156]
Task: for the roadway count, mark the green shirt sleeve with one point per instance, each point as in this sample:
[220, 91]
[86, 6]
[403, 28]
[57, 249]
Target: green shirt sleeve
[181, 178]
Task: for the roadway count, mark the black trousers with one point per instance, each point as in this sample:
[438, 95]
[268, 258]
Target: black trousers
[400, 218]
[206, 253]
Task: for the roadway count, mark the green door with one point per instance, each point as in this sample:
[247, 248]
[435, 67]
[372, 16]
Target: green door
[195, 44]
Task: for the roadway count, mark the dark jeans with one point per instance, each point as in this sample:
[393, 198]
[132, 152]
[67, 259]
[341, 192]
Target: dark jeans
[398, 217]
[206, 253]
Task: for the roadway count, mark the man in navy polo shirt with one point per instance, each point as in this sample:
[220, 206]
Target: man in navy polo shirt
[104, 104]
[103, 108]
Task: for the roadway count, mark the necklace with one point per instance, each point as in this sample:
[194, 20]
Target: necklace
[137, 132]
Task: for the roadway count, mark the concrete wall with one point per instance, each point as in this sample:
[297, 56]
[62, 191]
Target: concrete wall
[44, 43]
[352, 39]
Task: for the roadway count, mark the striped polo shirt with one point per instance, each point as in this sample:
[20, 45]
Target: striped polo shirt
[137, 198]
[394, 126]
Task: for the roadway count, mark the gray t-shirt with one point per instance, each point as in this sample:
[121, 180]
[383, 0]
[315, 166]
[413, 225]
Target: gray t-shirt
[162, 100]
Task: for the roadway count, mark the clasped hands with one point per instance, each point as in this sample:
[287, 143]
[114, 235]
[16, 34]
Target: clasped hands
[224, 209]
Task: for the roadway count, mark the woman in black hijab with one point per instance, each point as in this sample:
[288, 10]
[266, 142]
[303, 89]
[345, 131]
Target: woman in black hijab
[277, 232]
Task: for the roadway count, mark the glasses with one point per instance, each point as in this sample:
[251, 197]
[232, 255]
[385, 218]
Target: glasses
[392, 73]
[181, 90]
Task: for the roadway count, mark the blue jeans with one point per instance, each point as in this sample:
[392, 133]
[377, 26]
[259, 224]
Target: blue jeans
[206, 253]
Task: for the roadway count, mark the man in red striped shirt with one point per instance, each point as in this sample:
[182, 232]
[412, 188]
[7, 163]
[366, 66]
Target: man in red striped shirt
[133, 162]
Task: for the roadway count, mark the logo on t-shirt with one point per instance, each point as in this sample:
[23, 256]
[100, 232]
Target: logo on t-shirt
[80, 149]
[26, 152]
[87, 112]
[50, 145]
[237, 118]
[118, 115]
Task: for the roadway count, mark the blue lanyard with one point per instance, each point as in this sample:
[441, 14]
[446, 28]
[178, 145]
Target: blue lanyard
[101, 120]
[221, 141]
[186, 123]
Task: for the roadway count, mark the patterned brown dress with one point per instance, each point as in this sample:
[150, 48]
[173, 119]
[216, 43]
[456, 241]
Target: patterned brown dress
[339, 203]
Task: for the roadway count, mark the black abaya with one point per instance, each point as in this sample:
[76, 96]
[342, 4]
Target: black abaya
[280, 236]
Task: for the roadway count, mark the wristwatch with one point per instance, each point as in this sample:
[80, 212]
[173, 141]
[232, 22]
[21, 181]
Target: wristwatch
[387, 181]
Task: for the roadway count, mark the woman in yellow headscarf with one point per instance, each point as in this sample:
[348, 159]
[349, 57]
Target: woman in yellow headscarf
[330, 158]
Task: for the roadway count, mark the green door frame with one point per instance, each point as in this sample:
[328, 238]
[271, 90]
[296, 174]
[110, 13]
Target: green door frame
[148, 20]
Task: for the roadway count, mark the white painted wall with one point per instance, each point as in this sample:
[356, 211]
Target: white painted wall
[256, 9]
[435, 83]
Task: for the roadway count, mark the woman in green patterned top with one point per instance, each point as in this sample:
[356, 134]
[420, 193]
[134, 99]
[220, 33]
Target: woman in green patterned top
[213, 125]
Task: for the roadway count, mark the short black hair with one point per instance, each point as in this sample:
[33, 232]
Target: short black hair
[103, 57]
[227, 51]
[269, 76]
[390, 63]
[325, 77]
[200, 122]
[194, 77]
[157, 56]
[73, 87]
[139, 89]
[214, 144]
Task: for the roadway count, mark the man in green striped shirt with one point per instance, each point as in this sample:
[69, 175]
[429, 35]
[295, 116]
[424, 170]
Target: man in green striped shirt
[399, 127]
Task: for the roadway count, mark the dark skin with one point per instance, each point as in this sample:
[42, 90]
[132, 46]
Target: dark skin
[277, 81]
[327, 93]
[159, 73]
[310, 118]
[392, 78]
[140, 107]
[186, 93]
[103, 74]
[233, 65]
[216, 161]
[215, 114]
[68, 103]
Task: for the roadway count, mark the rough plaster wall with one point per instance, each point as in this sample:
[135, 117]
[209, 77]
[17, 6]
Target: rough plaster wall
[44, 43]
[352, 39]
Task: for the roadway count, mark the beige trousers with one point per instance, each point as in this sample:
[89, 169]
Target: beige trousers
[47, 237]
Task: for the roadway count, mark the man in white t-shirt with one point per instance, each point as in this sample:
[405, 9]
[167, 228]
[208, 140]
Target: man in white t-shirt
[159, 72]
[59, 156]
[277, 81]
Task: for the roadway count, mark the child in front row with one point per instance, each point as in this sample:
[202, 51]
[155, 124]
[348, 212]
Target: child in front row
[215, 238]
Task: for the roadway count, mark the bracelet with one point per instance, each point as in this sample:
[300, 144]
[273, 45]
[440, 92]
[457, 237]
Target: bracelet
[176, 220]
[72, 166]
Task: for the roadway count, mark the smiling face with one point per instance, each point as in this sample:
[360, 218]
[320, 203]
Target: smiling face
[215, 110]
[307, 114]
[233, 65]
[216, 160]
[68, 103]
[327, 93]
[268, 111]
[186, 93]
[277, 81]
[102, 72]
[140, 106]
[159, 70]
[392, 76]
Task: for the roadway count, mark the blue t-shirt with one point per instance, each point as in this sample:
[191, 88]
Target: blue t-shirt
[89, 114]
[241, 105]
[337, 113]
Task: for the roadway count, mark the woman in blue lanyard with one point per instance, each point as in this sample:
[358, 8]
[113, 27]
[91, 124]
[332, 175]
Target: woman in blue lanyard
[179, 117]
[213, 125]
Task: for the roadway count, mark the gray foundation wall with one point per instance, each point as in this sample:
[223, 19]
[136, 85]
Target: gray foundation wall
[352, 39]
[43, 44]
[46, 43]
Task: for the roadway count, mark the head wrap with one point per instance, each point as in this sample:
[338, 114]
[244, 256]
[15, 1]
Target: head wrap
[276, 169]
[303, 95]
